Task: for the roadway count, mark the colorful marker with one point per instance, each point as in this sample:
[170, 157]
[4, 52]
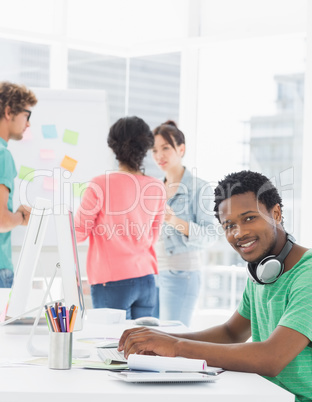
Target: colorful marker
[57, 325]
[73, 319]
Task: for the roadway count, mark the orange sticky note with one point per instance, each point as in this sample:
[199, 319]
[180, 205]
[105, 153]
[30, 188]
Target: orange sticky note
[69, 163]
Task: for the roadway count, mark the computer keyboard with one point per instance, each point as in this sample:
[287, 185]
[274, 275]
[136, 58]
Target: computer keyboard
[111, 355]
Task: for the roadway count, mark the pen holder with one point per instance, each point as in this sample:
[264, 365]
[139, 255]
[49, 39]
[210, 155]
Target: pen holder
[60, 353]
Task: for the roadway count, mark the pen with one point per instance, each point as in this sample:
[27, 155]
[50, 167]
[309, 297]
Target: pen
[72, 308]
[64, 318]
[55, 320]
[208, 373]
[73, 319]
[48, 317]
[53, 327]
[67, 320]
[60, 316]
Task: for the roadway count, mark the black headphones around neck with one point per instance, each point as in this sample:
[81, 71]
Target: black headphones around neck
[271, 267]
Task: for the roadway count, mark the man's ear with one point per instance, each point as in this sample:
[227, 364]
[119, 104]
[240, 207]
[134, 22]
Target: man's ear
[7, 112]
[277, 213]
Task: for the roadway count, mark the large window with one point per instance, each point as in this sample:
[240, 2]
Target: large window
[97, 71]
[146, 86]
[250, 116]
[26, 63]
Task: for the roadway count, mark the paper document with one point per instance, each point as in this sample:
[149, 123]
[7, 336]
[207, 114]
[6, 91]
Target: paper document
[161, 363]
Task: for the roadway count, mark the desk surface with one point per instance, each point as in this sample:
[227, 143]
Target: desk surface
[37, 383]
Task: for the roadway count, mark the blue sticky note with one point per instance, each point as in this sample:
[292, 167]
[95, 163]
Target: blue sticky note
[49, 131]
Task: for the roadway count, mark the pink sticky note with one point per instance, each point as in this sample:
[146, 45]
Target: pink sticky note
[49, 183]
[27, 135]
[47, 154]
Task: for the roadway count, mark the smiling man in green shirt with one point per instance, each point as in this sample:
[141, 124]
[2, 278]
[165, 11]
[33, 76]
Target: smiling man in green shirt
[16, 102]
[276, 308]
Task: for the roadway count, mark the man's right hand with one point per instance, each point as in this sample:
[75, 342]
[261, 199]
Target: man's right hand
[147, 341]
[25, 211]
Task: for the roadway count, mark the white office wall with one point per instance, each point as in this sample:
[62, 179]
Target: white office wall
[125, 23]
[243, 18]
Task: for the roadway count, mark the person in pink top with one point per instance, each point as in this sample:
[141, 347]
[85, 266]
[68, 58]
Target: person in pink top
[121, 213]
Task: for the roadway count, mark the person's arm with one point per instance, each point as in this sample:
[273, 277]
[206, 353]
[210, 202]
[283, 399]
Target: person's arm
[91, 204]
[179, 224]
[158, 221]
[265, 358]
[200, 231]
[235, 330]
[9, 220]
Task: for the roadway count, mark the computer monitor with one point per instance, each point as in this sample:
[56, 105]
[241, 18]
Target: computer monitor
[68, 259]
[70, 271]
[28, 258]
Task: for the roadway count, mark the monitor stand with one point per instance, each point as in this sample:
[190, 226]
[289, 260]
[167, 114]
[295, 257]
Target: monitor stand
[76, 353]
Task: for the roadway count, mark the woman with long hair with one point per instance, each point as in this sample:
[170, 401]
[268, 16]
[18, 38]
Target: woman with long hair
[121, 213]
[188, 227]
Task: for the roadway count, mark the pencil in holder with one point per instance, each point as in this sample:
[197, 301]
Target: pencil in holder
[60, 351]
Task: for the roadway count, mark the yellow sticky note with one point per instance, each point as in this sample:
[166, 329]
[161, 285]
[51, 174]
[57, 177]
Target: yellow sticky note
[71, 137]
[69, 163]
[79, 189]
[26, 173]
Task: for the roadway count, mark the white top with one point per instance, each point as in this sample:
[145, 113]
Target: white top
[190, 261]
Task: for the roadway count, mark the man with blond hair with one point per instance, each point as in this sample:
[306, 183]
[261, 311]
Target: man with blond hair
[16, 102]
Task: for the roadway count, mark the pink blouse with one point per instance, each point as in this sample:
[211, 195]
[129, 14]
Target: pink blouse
[122, 214]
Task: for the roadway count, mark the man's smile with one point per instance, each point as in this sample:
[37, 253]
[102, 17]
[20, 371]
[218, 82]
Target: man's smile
[247, 246]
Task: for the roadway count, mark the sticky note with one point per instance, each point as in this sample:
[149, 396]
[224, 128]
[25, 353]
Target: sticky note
[71, 137]
[47, 154]
[49, 131]
[26, 173]
[27, 135]
[49, 183]
[69, 163]
[79, 189]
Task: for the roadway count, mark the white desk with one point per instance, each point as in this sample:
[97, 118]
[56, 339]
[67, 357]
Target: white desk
[40, 384]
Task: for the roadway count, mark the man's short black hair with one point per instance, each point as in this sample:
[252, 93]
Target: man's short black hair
[244, 182]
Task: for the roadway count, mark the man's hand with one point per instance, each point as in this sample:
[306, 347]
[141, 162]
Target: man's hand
[25, 211]
[147, 341]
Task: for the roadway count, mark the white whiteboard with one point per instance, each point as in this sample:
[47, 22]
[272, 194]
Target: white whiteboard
[82, 111]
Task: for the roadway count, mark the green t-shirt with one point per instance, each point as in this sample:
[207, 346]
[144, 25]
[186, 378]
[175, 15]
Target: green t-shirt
[7, 175]
[287, 302]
